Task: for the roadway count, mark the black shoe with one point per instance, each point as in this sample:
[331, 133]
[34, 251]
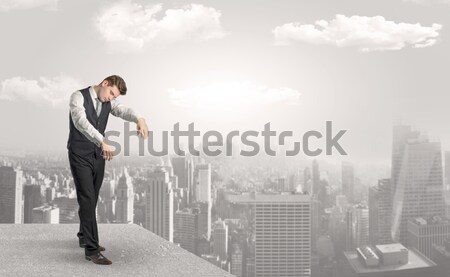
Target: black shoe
[98, 259]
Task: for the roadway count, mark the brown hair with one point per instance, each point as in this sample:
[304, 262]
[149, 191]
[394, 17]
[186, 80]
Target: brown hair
[115, 80]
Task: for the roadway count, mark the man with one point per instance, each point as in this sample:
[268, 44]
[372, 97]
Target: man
[88, 150]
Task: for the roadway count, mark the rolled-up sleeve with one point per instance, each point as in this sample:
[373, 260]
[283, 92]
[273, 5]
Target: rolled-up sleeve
[80, 120]
[128, 114]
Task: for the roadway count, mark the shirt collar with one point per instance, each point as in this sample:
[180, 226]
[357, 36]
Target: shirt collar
[93, 93]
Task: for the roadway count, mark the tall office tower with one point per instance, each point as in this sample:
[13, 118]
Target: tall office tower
[282, 235]
[315, 219]
[32, 198]
[185, 229]
[349, 229]
[125, 199]
[203, 183]
[220, 240]
[159, 204]
[236, 260]
[417, 180]
[423, 233]
[107, 194]
[10, 195]
[203, 219]
[315, 177]
[46, 215]
[183, 168]
[348, 181]
[50, 193]
[380, 212]
[361, 225]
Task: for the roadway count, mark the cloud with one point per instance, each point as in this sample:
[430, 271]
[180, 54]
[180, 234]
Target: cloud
[364, 33]
[128, 26]
[54, 91]
[233, 96]
[8, 5]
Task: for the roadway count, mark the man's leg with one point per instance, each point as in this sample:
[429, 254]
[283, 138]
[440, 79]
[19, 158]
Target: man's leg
[99, 172]
[83, 177]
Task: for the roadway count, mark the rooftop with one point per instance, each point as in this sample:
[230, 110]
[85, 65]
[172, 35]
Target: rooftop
[415, 261]
[52, 250]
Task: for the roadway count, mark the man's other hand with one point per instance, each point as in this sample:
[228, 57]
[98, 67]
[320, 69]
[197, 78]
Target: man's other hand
[107, 151]
[142, 128]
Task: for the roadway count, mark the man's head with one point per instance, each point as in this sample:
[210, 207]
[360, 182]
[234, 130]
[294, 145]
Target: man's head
[111, 88]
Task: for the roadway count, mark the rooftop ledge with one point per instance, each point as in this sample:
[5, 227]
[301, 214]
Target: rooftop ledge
[52, 250]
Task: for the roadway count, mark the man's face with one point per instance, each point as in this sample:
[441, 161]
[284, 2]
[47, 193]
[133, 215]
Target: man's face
[108, 93]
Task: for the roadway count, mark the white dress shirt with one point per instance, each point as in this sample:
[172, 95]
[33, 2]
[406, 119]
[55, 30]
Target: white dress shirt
[77, 111]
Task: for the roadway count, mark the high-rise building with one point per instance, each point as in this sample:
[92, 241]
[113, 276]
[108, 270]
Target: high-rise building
[185, 229]
[423, 233]
[159, 204]
[203, 219]
[183, 168]
[203, 183]
[417, 180]
[220, 240]
[46, 215]
[348, 181]
[282, 235]
[236, 261]
[380, 212]
[125, 199]
[10, 195]
[32, 198]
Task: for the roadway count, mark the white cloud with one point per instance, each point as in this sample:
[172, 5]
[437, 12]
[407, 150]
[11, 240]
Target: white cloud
[54, 91]
[234, 97]
[362, 32]
[128, 26]
[7, 5]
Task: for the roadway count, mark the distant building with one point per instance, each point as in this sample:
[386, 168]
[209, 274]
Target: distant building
[46, 215]
[387, 260]
[423, 233]
[10, 195]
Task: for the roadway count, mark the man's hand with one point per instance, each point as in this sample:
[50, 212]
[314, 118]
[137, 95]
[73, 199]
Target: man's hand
[142, 128]
[107, 151]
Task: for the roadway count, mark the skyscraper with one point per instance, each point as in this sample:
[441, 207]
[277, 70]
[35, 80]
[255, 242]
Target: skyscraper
[125, 199]
[32, 198]
[10, 195]
[282, 235]
[203, 183]
[159, 204]
[185, 229]
[423, 233]
[417, 180]
[380, 212]
[220, 240]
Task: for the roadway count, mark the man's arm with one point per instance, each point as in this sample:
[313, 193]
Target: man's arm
[80, 120]
[128, 114]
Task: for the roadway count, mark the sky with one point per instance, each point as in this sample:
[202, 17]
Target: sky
[230, 65]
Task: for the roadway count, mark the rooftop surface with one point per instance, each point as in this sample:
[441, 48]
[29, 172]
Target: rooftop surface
[52, 250]
[415, 261]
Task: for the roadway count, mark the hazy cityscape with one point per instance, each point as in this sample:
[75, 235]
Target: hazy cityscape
[257, 217]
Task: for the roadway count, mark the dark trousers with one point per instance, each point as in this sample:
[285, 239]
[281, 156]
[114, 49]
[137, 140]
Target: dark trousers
[88, 178]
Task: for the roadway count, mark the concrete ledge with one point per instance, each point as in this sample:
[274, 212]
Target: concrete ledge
[52, 250]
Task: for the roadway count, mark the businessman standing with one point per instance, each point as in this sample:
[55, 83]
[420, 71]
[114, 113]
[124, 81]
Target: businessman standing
[87, 149]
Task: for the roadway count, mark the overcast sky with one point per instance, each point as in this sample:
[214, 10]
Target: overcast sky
[230, 65]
